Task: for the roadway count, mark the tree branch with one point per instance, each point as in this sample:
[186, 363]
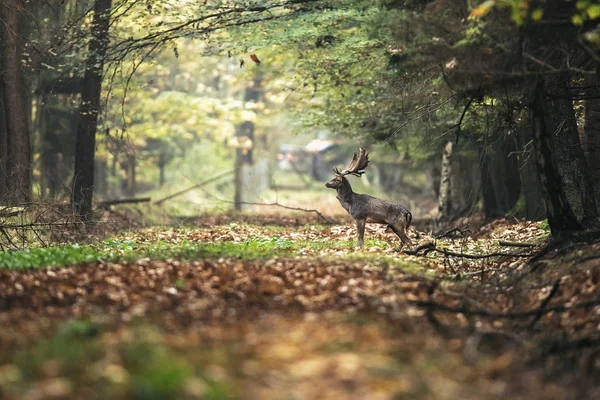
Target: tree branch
[429, 247]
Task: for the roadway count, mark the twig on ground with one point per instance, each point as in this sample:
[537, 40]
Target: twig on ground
[439, 327]
[557, 243]
[540, 313]
[450, 233]
[561, 346]
[428, 247]
[493, 314]
[516, 244]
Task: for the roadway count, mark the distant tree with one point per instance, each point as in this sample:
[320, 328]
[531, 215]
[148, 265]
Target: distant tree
[83, 178]
[14, 129]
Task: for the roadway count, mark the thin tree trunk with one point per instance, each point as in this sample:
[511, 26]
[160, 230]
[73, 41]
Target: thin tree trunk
[245, 134]
[444, 200]
[162, 161]
[131, 178]
[100, 177]
[18, 167]
[560, 215]
[83, 179]
[237, 179]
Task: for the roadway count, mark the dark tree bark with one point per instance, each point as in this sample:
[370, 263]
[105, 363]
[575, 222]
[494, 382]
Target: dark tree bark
[560, 215]
[531, 205]
[460, 180]
[501, 182]
[83, 179]
[18, 166]
[592, 143]
[570, 157]
[3, 137]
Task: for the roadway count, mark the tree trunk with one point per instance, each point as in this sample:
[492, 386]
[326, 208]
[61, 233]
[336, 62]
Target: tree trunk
[592, 143]
[18, 181]
[501, 182]
[100, 180]
[162, 162]
[531, 205]
[245, 135]
[237, 179]
[570, 158]
[3, 138]
[83, 178]
[560, 215]
[444, 199]
[131, 178]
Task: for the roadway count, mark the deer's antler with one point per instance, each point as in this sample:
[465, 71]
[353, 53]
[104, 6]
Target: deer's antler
[359, 162]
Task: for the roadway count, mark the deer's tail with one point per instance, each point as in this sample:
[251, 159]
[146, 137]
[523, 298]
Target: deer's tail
[408, 217]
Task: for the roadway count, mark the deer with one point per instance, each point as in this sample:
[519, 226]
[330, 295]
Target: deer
[364, 208]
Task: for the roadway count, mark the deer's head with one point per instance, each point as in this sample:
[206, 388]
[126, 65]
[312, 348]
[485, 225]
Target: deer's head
[357, 165]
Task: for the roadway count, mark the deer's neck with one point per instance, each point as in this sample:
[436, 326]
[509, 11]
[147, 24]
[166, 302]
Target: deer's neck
[345, 194]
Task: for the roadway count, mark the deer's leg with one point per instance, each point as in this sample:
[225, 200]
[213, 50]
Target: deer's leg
[360, 227]
[399, 229]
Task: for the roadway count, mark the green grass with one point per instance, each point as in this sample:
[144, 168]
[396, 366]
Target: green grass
[140, 367]
[120, 250]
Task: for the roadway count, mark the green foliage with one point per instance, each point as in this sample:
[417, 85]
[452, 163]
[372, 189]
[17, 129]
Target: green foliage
[73, 348]
[156, 373]
[124, 249]
[139, 367]
[118, 250]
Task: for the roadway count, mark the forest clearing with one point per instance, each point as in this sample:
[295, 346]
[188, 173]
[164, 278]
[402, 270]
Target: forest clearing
[299, 199]
[282, 305]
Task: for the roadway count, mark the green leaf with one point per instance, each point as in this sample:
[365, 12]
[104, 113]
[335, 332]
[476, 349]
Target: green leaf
[537, 14]
[483, 8]
[582, 4]
[593, 11]
[578, 19]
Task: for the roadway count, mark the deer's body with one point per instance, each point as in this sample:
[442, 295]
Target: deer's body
[364, 208]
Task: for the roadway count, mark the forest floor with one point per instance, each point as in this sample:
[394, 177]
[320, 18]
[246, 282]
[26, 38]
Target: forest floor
[284, 307]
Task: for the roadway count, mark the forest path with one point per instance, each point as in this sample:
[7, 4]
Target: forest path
[245, 310]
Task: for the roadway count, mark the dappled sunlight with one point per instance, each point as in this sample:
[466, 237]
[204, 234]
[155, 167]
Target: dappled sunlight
[299, 199]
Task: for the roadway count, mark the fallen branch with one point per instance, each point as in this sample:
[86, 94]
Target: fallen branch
[275, 204]
[557, 243]
[493, 314]
[107, 203]
[204, 182]
[540, 313]
[450, 233]
[7, 212]
[429, 247]
[561, 346]
[516, 244]
[324, 218]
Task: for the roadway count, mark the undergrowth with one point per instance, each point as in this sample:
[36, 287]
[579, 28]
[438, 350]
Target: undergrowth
[119, 249]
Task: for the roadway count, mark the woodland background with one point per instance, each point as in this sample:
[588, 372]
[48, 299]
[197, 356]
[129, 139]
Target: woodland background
[165, 231]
